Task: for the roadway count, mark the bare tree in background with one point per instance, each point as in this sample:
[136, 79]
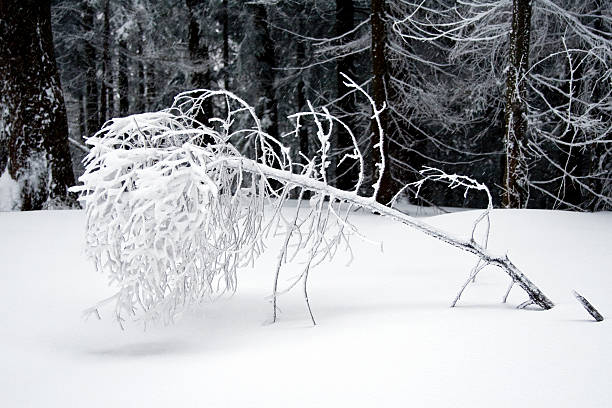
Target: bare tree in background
[556, 143]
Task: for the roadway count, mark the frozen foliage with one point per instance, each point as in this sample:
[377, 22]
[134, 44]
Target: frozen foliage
[169, 226]
[173, 209]
[172, 212]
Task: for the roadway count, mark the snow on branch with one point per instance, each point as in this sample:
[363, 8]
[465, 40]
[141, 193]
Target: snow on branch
[174, 208]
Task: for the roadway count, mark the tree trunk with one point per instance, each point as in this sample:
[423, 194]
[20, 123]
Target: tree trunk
[91, 83]
[123, 83]
[267, 110]
[266, 107]
[104, 87]
[347, 171]
[151, 88]
[381, 97]
[516, 174]
[140, 98]
[34, 128]
[225, 24]
[80, 96]
[198, 52]
[301, 107]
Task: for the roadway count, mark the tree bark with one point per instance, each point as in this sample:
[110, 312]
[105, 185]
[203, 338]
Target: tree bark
[225, 24]
[381, 97]
[140, 99]
[198, 52]
[347, 171]
[34, 128]
[104, 87]
[151, 88]
[301, 107]
[267, 106]
[123, 81]
[589, 307]
[516, 182]
[91, 82]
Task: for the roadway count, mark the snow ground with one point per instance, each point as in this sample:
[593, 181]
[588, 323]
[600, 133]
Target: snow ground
[385, 335]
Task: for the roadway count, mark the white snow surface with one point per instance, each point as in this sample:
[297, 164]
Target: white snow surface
[386, 336]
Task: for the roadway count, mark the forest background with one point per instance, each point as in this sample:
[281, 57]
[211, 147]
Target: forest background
[513, 93]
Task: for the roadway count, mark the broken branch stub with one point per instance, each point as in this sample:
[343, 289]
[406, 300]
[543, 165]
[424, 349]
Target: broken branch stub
[588, 307]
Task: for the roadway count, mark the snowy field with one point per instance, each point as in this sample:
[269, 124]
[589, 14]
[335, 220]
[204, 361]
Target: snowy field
[385, 335]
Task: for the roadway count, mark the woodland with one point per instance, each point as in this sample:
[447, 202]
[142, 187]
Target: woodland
[515, 94]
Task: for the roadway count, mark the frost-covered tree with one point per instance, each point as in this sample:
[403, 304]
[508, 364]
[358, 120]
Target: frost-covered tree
[174, 208]
[33, 124]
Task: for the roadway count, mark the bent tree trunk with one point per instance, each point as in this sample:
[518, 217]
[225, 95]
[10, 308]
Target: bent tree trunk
[199, 55]
[535, 294]
[33, 124]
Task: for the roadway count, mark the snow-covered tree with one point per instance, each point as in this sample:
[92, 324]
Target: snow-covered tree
[174, 208]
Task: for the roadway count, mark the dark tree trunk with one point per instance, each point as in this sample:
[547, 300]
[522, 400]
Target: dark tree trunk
[267, 105]
[225, 24]
[516, 177]
[301, 105]
[106, 63]
[140, 74]
[151, 88]
[91, 82]
[347, 171]
[34, 128]
[380, 96]
[80, 96]
[265, 63]
[123, 83]
[198, 52]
